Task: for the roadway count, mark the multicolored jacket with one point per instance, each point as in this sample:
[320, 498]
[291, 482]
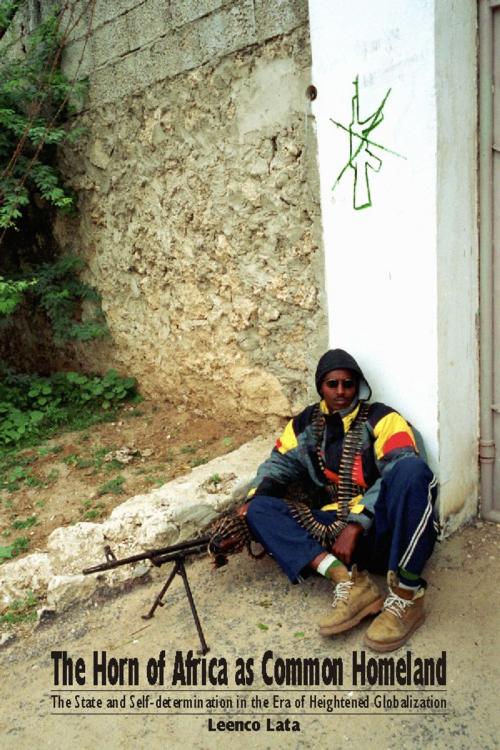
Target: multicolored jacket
[387, 438]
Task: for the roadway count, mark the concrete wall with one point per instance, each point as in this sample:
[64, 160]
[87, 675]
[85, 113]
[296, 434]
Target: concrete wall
[401, 259]
[457, 255]
[198, 198]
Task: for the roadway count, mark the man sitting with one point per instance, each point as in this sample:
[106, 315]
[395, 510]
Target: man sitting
[345, 491]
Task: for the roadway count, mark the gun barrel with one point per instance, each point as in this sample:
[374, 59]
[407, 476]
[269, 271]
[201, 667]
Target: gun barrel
[164, 554]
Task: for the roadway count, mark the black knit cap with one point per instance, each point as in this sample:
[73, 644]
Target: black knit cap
[337, 359]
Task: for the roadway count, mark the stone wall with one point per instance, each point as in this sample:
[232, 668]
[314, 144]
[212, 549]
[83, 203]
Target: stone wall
[198, 198]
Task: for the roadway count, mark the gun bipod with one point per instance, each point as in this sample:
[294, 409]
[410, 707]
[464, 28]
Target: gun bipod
[178, 569]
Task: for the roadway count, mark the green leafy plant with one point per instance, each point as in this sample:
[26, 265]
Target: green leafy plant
[18, 546]
[49, 450]
[12, 480]
[20, 610]
[32, 406]
[25, 523]
[13, 471]
[198, 461]
[113, 487]
[189, 448]
[36, 281]
[84, 463]
[34, 102]
[56, 289]
[91, 511]
[136, 413]
[12, 294]
[32, 481]
[98, 456]
[113, 465]
[71, 459]
[158, 481]
[7, 10]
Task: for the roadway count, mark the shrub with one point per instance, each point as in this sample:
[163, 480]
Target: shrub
[32, 406]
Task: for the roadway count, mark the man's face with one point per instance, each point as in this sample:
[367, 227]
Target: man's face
[339, 389]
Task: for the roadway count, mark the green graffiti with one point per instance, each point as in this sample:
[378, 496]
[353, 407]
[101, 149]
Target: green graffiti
[361, 149]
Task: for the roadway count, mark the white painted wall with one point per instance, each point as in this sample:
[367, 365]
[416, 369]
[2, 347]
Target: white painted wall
[457, 211]
[392, 294]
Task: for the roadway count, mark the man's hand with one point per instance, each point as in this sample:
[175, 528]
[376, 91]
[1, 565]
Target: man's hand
[345, 543]
[243, 509]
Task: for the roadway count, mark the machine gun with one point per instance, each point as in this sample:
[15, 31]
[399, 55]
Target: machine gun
[228, 536]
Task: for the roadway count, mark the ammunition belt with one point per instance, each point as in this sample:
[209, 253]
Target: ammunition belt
[347, 488]
[231, 534]
[352, 443]
[324, 533]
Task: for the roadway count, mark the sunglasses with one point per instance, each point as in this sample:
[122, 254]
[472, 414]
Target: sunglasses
[346, 382]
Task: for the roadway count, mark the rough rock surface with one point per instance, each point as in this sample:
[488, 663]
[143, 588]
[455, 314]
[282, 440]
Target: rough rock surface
[199, 220]
[31, 573]
[68, 546]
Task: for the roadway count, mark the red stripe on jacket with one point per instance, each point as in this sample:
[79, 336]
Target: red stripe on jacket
[398, 440]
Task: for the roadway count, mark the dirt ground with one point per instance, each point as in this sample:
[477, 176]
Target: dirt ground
[82, 476]
[247, 609]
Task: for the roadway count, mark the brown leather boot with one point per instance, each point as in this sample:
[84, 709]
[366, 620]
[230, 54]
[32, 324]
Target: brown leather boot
[403, 613]
[356, 596]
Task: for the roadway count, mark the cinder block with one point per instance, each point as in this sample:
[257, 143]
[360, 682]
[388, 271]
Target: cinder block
[184, 11]
[113, 81]
[169, 56]
[124, 73]
[228, 30]
[176, 53]
[279, 16]
[110, 41]
[101, 86]
[106, 10]
[156, 62]
[147, 73]
[148, 22]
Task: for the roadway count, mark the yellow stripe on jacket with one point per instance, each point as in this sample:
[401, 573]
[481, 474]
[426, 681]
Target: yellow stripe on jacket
[287, 440]
[355, 505]
[392, 432]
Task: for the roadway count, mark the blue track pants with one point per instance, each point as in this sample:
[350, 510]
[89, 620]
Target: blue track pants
[402, 535]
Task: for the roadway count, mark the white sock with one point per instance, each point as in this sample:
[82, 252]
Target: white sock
[408, 588]
[325, 564]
